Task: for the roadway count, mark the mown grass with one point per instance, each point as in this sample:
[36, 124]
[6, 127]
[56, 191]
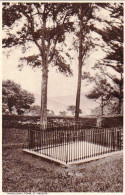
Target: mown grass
[26, 173]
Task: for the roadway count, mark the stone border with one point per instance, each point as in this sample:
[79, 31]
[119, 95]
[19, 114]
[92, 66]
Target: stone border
[74, 162]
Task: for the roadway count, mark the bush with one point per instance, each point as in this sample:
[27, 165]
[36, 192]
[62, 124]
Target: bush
[110, 121]
[15, 121]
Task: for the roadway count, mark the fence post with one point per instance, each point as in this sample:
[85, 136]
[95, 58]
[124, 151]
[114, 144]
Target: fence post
[113, 140]
[118, 140]
[31, 139]
[66, 147]
[39, 140]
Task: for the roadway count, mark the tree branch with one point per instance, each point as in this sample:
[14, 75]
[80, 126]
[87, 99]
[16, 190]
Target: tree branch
[30, 20]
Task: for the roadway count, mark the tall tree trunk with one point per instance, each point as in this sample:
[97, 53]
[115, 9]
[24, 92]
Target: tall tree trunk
[79, 70]
[43, 114]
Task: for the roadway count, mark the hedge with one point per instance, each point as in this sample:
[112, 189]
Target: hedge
[110, 121]
[29, 121]
[16, 121]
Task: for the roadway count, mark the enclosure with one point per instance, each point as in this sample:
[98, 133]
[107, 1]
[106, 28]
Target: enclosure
[70, 143]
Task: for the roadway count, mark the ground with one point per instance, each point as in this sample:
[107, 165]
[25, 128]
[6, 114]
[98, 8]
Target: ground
[26, 173]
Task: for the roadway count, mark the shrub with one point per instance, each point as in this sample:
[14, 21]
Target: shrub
[110, 121]
[33, 121]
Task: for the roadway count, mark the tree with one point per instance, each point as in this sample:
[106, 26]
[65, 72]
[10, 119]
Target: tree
[45, 26]
[5, 109]
[72, 109]
[111, 108]
[101, 92]
[86, 16]
[83, 17]
[113, 37]
[34, 110]
[62, 113]
[117, 91]
[13, 95]
[50, 113]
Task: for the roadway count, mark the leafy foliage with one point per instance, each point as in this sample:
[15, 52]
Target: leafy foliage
[113, 37]
[50, 113]
[102, 91]
[87, 18]
[34, 15]
[44, 26]
[34, 110]
[102, 88]
[62, 113]
[72, 109]
[14, 96]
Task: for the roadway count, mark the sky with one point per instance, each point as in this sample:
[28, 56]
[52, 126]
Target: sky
[30, 79]
[58, 84]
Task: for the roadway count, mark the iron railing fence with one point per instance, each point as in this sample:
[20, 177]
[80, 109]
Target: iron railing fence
[70, 143]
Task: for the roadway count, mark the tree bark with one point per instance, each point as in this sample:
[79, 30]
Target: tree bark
[79, 71]
[43, 114]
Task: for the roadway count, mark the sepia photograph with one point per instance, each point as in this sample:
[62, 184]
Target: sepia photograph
[62, 96]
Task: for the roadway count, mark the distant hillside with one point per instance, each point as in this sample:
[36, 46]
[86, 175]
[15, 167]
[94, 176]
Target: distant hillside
[60, 103]
[56, 106]
[51, 104]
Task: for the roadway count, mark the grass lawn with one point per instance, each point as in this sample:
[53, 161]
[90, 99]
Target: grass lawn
[26, 173]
